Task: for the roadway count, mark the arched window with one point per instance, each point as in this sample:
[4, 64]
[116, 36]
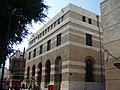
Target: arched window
[47, 73]
[39, 72]
[58, 73]
[33, 72]
[89, 70]
[28, 73]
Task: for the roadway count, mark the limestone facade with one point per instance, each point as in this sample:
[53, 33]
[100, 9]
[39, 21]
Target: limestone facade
[65, 50]
[110, 10]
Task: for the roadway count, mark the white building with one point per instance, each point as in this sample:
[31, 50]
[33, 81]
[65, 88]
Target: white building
[110, 10]
[64, 52]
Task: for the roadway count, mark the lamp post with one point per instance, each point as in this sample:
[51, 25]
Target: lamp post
[101, 54]
[6, 43]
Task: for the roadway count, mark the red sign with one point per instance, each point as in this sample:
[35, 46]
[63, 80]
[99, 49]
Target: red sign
[38, 70]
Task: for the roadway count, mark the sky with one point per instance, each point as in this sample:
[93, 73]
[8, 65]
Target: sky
[54, 7]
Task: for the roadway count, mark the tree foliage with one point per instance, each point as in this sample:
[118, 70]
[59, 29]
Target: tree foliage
[25, 12]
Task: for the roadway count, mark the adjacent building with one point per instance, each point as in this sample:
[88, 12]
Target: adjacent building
[17, 69]
[6, 78]
[110, 10]
[65, 52]
[6, 72]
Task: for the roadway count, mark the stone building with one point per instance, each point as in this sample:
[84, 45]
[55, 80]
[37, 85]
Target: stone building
[17, 69]
[110, 10]
[64, 52]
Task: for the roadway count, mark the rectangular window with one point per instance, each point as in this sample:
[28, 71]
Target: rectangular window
[29, 57]
[58, 21]
[40, 34]
[62, 18]
[41, 47]
[34, 53]
[48, 45]
[58, 39]
[88, 39]
[51, 26]
[83, 19]
[45, 31]
[90, 21]
[48, 29]
[54, 24]
[34, 39]
[38, 37]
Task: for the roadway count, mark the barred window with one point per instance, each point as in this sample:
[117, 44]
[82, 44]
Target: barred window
[58, 39]
[88, 39]
[48, 45]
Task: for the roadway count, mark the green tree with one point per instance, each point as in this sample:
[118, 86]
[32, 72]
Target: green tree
[28, 9]
[14, 16]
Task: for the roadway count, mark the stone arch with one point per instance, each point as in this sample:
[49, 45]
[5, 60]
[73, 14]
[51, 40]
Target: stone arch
[47, 72]
[39, 73]
[33, 72]
[89, 61]
[23, 86]
[28, 72]
[58, 73]
[91, 58]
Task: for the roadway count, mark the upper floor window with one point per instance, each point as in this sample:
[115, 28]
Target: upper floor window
[41, 47]
[62, 18]
[40, 34]
[29, 56]
[34, 53]
[88, 39]
[58, 39]
[90, 21]
[58, 21]
[38, 37]
[48, 28]
[45, 31]
[48, 45]
[83, 18]
[54, 24]
[51, 26]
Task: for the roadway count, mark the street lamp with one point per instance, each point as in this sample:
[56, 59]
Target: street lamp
[101, 54]
[115, 64]
[17, 10]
